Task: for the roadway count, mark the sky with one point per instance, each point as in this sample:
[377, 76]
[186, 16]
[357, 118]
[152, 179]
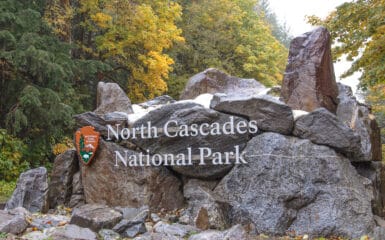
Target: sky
[294, 12]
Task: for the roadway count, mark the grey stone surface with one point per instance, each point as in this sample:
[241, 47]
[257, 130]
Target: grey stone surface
[77, 198]
[291, 184]
[31, 191]
[188, 114]
[174, 229]
[134, 214]
[108, 234]
[106, 183]
[358, 117]
[60, 186]
[161, 100]
[375, 172]
[155, 217]
[134, 230]
[157, 236]
[111, 98]
[91, 119]
[323, 127]
[71, 232]
[204, 208]
[45, 221]
[13, 221]
[214, 81]
[270, 114]
[95, 217]
[234, 233]
[309, 82]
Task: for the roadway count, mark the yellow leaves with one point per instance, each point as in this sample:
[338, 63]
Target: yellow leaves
[135, 37]
[62, 146]
[101, 19]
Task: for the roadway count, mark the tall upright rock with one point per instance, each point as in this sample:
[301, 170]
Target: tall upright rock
[111, 98]
[358, 117]
[31, 191]
[309, 80]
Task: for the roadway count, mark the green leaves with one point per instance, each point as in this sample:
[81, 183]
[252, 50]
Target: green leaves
[11, 156]
[229, 35]
[36, 89]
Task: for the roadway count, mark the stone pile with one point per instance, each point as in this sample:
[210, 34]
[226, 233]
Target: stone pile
[313, 168]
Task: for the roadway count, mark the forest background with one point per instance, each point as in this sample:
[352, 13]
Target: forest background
[54, 52]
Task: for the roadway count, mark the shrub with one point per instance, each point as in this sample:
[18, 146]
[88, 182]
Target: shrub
[11, 156]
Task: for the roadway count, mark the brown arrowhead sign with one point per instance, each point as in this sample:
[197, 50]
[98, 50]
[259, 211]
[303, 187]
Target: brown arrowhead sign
[87, 142]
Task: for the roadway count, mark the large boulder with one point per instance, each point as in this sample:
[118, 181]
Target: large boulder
[358, 117]
[291, 184]
[100, 122]
[111, 98]
[60, 186]
[13, 221]
[309, 80]
[271, 115]
[323, 127]
[214, 81]
[187, 113]
[95, 217]
[31, 191]
[108, 181]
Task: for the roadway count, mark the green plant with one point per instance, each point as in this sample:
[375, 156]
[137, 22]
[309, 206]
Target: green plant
[11, 156]
[6, 190]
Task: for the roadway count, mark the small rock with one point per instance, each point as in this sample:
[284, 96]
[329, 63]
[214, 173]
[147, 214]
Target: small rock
[235, 233]
[71, 232]
[174, 229]
[134, 214]
[13, 221]
[108, 234]
[157, 236]
[184, 219]
[134, 230]
[172, 218]
[155, 217]
[35, 235]
[31, 191]
[95, 217]
[42, 222]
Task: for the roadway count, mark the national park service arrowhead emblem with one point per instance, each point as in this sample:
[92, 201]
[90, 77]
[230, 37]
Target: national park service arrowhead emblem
[87, 142]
